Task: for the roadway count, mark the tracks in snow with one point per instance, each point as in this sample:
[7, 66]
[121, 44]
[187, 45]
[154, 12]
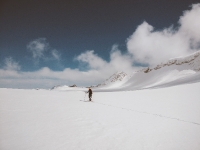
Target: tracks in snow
[157, 115]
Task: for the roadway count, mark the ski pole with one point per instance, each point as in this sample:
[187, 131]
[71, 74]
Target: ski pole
[84, 96]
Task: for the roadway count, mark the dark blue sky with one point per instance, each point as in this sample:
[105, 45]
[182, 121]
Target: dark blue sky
[74, 26]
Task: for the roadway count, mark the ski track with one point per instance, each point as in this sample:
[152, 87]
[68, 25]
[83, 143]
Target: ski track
[141, 112]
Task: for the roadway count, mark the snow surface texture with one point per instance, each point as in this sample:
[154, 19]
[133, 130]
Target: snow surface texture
[174, 72]
[151, 119]
[146, 118]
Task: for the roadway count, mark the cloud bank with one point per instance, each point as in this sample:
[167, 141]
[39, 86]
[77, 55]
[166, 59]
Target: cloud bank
[146, 46]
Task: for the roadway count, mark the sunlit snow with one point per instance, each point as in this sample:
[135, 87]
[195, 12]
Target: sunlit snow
[152, 109]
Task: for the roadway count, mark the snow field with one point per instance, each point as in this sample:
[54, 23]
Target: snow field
[153, 119]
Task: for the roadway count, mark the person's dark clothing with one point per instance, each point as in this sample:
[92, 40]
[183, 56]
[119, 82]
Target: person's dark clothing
[90, 94]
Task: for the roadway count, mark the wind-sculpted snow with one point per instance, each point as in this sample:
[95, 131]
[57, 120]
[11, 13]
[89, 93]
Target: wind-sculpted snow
[115, 78]
[176, 71]
[119, 76]
[193, 60]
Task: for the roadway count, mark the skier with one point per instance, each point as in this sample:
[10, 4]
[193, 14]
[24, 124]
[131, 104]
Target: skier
[90, 94]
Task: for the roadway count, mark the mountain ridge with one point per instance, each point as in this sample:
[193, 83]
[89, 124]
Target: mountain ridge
[176, 71]
[179, 70]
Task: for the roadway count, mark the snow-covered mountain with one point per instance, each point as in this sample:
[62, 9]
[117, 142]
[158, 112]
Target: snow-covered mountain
[117, 78]
[181, 70]
[173, 72]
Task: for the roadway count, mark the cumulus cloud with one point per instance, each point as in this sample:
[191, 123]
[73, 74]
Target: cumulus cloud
[121, 62]
[151, 47]
[118, 62]
[190, 23]
[92, 60]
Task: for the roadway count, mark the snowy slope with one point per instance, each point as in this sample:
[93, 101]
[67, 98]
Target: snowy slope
[116, 80]
[176, 71]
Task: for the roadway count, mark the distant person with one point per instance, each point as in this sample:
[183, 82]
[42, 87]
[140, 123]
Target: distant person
[90, 94]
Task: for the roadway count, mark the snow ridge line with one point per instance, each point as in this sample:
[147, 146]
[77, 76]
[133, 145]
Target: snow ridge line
[195, 123]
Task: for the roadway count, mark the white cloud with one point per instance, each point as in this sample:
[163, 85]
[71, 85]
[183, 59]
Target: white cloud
[47, 78]
[41, 49]
[38, 47]
[56, 55]
[151, 47]
[119, 61]
[102, 68]
[190, 23]
[98, 71]
[92, 60]
[10, 64]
